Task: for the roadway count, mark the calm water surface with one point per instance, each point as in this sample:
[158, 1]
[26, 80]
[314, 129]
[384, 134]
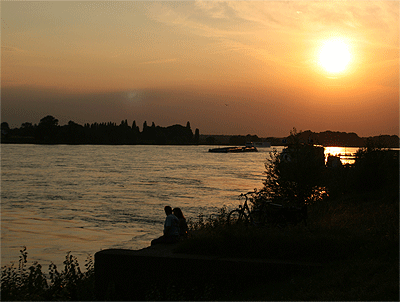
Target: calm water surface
[56, 199]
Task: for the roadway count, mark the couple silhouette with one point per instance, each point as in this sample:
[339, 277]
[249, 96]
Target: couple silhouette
[175, 227]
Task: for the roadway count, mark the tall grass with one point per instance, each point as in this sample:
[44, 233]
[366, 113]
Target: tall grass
[337, 229]
[30, 283]
[353, 232]
[355, 237]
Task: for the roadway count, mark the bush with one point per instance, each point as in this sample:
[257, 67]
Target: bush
[30, 283]
[295, 176]
[375, 167]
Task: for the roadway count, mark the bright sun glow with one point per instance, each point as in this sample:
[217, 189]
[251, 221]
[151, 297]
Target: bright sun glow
[334, 56]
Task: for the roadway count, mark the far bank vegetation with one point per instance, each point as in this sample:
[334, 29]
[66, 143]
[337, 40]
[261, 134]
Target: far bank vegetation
[48, 131]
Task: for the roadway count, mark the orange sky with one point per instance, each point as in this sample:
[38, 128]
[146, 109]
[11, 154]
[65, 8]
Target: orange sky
[238, 67]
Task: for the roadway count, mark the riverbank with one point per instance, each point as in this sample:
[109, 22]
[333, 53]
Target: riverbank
[355, 237]
[351, 244]
[348, 251]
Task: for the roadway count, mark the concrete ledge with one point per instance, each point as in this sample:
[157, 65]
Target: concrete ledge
[131, 274]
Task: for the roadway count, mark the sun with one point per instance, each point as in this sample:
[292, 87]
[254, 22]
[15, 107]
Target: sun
[334, 55]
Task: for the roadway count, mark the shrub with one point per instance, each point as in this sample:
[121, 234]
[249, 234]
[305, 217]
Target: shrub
[30, 283]
[375, 167]
[294, 176]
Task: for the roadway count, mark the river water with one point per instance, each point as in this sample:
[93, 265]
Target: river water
[61, 198]
[82, 199]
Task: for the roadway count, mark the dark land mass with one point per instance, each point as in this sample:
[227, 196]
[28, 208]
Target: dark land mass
[49, 132]
[326, 139]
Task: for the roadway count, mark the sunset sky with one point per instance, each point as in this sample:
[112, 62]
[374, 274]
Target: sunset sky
[236, 67]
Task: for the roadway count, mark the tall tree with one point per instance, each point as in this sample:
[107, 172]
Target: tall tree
[196, 136]
[47, 130]
[294, 175]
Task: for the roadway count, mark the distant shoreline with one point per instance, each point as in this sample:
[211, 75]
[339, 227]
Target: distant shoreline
[22, 142]
[326, 139]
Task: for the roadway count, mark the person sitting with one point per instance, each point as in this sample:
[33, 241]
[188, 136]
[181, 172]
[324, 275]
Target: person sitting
[183, 227]
[171, 228]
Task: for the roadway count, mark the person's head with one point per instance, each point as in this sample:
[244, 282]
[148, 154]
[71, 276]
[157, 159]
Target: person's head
[178, 213]
[168, 210]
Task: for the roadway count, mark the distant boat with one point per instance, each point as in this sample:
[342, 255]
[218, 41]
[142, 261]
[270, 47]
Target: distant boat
[234, 149]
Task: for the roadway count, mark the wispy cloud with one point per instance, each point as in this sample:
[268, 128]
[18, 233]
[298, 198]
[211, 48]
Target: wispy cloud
[159, 61]
[277, 15]
[10, 49]
[253, 27]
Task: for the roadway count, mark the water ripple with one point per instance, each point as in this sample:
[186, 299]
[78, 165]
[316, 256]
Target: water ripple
[82, 199]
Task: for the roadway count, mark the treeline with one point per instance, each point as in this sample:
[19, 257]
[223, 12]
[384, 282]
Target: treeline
[326, 139]
[348, 139]
[48, 131]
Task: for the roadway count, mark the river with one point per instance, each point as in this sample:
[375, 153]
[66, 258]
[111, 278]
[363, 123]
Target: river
[82, 199]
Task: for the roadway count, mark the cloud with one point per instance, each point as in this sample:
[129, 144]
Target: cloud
[10, 49]
[257, 28]
[217, 9]
[277, 15]
[199, 19]
[159, 61]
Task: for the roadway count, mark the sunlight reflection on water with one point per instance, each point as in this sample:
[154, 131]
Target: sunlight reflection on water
[346, 154]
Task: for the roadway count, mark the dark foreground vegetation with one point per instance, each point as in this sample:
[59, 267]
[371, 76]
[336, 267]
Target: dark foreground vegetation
[29, 283]
[352, 232]
[352, 229]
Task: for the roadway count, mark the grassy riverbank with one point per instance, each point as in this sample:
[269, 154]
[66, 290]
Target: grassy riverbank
[355, 237]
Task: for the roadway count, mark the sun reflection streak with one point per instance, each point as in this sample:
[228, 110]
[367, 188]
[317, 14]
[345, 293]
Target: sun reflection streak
[346, 154]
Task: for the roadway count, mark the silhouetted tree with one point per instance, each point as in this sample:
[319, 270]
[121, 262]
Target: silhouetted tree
[196, 136]
[241, 140]
[294, 175]
[47, 130]
[374, 166]
[72, 133]
[135, 133]
[27, 130]
[237, 140]
[177, 134]
[210, 140]
[5, 126]
[5, 130]
[134, 127]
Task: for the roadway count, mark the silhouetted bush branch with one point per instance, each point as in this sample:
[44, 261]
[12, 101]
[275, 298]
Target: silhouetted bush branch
[25, 283]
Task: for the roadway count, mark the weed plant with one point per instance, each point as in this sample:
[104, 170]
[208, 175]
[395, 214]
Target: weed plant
[25, 283]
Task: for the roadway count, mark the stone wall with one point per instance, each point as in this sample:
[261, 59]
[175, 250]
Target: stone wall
[133, 274]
